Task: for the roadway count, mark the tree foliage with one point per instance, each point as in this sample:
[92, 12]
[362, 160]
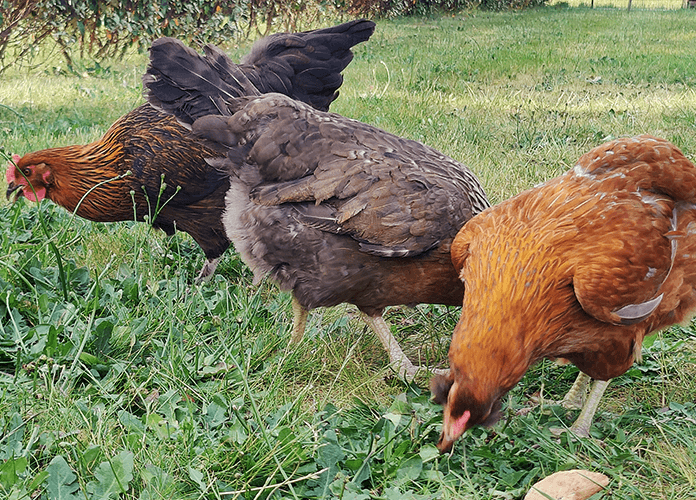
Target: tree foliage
[104, 29]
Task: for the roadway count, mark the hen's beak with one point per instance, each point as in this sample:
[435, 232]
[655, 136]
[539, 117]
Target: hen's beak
[11, 188]
[445, 443]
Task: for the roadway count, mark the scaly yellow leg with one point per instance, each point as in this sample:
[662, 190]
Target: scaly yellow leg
[396, 355]
[581, 426]
[575, 397]
[299, 321]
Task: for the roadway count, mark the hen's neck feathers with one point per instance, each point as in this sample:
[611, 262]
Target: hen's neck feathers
[144, 142]
[77, 169]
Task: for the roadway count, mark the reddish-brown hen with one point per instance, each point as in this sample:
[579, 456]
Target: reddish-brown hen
[581, 268]
[148, 167]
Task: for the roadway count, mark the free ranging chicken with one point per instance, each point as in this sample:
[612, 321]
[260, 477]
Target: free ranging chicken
[147, 166]
[332, 209]
[581, 268]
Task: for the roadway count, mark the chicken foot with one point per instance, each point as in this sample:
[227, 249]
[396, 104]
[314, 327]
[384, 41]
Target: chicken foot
[207, 271]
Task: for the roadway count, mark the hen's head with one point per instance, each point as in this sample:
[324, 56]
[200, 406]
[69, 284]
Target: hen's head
[463, 408]
[27, 179]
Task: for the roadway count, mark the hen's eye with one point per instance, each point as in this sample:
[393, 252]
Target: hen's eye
[26, 171]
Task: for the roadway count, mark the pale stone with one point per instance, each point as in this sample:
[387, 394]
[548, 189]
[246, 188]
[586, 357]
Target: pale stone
[568, 485]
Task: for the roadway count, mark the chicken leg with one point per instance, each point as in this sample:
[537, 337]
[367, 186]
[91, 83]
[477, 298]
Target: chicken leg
[581, 426]
[575, 400]
[206, 273]
[299, 321]
[397, 358]
[575, 397]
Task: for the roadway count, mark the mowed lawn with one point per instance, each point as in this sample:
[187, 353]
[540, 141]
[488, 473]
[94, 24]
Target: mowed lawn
[119, 378]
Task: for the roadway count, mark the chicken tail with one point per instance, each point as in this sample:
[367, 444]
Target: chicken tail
[307, 65]
[181, 82]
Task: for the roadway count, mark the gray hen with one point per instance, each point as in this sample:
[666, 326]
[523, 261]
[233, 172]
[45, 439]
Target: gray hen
[330, 208]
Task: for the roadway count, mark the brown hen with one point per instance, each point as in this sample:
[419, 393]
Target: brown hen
[582, 268]
[148, 167]
[332, 209]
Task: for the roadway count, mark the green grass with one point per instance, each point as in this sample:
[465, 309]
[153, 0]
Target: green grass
[118, 375]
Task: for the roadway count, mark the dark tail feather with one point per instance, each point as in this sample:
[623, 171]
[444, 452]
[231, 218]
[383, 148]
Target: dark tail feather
[341, 38]
[231, 73]
[306, 66]
[181, 82]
